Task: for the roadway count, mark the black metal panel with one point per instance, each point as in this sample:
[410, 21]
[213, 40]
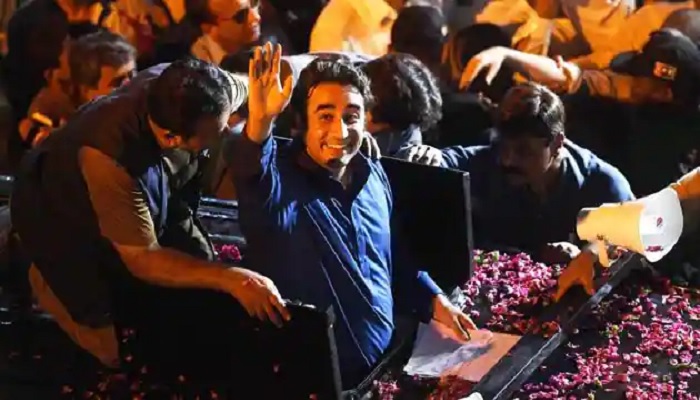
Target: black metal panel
[513, 370]
[433, 209]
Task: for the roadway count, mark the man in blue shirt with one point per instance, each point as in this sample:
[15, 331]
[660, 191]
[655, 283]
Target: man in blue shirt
[316, 212]
[530, 183]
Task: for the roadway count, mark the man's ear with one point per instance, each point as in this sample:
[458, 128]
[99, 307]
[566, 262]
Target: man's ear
[558, 143]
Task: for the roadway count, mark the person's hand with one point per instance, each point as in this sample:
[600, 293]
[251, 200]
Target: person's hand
[424, 154]
[580, 271]
[258, 295]
[489, 60]
[449, 315]
[267, 97]
[559, 253]
[370, 147]
[571, 72]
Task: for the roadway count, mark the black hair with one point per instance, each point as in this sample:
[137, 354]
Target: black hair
[418, 30]
[466, 43]
[187, 91]
[88, 54]
[324, 71]
[530, 110]
[404, 91]
[197, 12]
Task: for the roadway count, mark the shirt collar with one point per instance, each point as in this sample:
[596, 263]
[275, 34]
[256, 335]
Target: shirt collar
[359, 167]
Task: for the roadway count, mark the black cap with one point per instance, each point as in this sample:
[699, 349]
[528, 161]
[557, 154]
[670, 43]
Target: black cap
[668, 55]
[418, 25]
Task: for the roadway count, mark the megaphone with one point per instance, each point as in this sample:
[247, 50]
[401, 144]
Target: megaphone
[650, 226]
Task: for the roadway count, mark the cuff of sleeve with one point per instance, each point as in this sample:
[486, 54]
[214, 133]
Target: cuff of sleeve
[427, 290]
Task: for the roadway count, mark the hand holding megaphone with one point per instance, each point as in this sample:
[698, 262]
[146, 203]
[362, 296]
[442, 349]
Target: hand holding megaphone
[650, 226]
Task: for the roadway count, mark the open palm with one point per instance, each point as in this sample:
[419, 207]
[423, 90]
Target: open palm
[267, 97]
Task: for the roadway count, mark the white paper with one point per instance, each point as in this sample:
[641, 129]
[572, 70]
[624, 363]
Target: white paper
[438, 352]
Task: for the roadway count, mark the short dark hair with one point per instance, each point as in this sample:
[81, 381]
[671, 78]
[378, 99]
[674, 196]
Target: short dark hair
[530, 110]
[324, 71]
[419, 30]
[186, 91]
[88, 54]
[404, 91]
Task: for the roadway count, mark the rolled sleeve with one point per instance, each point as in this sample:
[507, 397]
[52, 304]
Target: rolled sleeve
[122, 211]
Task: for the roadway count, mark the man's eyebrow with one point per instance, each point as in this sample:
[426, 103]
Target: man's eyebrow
[323, 107]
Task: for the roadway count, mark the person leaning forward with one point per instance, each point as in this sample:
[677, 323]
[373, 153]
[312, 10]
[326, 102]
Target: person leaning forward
[91, 205]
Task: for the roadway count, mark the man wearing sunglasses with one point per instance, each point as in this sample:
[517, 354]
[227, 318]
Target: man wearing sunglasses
[227, 26]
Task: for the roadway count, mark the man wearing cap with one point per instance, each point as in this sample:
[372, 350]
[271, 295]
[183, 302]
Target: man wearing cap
[671, 58]
[93, 208]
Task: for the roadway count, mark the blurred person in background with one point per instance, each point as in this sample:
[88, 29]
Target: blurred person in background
[686, 21]
[357, 26]
[35, 40]
[467, 111]
[210, 30]
[633, 32]
[407, 103]
[97, 64]
[227, 27]
[425, 43]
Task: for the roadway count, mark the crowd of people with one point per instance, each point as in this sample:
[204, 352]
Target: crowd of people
[124, 112]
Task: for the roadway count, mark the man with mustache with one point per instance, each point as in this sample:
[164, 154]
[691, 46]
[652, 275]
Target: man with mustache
[531, 182]
[316, 212]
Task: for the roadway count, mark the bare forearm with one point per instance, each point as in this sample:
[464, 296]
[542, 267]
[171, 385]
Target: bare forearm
[538, 68]
[172, 268]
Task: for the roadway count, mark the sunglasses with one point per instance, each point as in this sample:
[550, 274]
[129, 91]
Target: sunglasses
[241, 15]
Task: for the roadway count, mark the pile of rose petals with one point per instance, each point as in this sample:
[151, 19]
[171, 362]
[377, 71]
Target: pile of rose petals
[650, 349]
[510, 290]
[228, 253]
[513, 288]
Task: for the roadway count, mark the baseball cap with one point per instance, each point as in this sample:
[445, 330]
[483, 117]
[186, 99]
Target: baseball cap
[668, 55]
[418, 25]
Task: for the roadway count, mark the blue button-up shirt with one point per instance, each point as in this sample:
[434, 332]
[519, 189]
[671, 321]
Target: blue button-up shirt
[326, 245]
[514, 217]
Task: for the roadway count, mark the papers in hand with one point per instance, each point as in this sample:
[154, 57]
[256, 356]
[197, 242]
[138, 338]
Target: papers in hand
[438, 352]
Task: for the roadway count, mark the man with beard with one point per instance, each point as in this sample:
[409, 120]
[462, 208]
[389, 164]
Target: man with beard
[316, 212]
[531, 182]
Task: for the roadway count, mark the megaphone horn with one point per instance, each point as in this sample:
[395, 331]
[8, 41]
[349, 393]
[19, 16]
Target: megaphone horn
[650, 226]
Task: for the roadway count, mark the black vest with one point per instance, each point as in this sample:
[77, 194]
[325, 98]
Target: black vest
[51, 207]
